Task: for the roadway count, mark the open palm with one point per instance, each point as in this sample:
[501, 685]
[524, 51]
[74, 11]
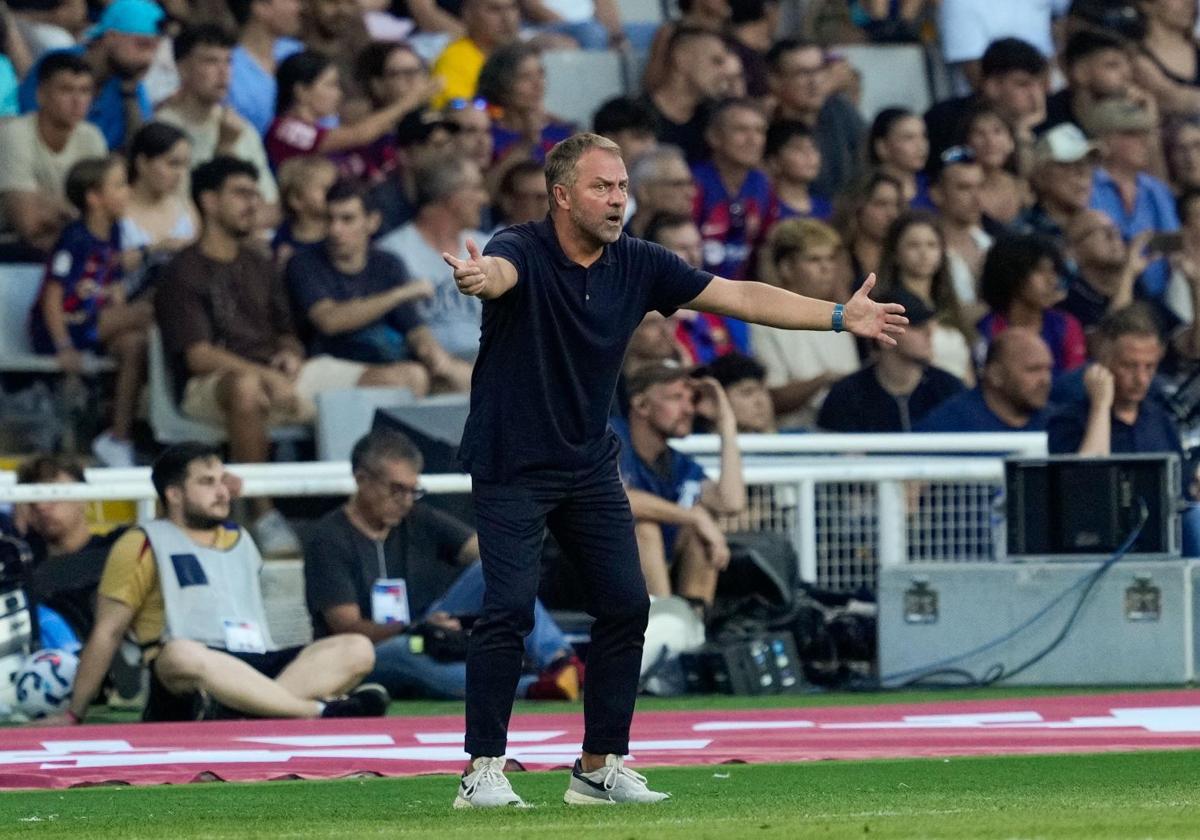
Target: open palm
[868, 319]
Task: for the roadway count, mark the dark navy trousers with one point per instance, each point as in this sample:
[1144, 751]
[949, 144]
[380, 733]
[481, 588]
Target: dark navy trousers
[588, 513]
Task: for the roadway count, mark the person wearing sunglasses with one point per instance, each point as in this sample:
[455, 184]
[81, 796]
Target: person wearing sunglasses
[474, 137]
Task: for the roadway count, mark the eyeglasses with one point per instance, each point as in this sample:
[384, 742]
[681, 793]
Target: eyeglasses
[958, 154]
[465, 104]
[400, 490]
[404, 72]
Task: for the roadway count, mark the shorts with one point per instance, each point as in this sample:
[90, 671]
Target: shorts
[162, 705]
[320, 373]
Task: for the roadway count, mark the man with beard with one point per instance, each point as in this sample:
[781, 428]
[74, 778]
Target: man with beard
[561, 298]
[1012, 392]
[187, 587]
[120, 49]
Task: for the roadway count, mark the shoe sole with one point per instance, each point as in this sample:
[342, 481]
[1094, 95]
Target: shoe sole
[461, 802]
[574, 797]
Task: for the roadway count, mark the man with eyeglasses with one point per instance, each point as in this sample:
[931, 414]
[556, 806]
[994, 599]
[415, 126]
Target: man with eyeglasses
[405, 574]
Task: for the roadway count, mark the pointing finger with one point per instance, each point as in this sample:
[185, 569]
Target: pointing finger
[452, 261]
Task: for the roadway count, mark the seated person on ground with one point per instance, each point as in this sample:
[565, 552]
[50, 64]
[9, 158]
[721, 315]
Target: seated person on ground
[186, 587]
[372, 567]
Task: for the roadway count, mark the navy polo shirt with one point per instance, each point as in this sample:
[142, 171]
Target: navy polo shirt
[858, 403]
[1154, 430]
[551, 349]
[969, 412]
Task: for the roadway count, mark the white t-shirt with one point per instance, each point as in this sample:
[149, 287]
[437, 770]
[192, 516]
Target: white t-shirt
[204, 135]
[28, 165]
[968, 26]
[952, 353]
[796, 355]
[964, 282]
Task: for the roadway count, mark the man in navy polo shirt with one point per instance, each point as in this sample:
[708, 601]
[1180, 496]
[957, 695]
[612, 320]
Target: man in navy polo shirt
[561, 299]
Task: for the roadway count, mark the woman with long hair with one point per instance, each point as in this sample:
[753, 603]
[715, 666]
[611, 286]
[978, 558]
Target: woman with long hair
[862, 215]
[159, 218]
[898, 146]
[1005, 194]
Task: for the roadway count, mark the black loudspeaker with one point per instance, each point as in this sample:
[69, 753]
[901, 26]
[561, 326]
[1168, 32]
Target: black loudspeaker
[1083, 508]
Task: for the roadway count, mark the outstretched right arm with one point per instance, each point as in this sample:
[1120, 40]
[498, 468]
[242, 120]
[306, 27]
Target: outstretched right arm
[479, 276]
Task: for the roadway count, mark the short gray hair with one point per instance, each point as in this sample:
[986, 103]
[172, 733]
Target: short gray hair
[561, 160]
[384, 444]
[439, 177]
[649, 166]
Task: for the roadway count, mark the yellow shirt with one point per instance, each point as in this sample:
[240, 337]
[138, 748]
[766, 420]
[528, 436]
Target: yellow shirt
[458, 67]
[131, 577]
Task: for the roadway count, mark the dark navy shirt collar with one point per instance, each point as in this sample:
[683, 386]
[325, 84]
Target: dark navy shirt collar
[545, 231]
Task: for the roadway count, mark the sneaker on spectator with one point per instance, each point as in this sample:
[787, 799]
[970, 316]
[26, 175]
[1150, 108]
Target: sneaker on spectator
[563, 680]
[113, 452]
[274, 536]
[612, 784]
[368, 700]
[486, 786]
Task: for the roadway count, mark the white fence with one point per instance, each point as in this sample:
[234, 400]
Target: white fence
[846, 511]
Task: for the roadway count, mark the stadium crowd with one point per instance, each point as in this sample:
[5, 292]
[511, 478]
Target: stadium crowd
[266, 187]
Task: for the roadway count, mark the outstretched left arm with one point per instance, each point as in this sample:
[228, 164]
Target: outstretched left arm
[759, 303]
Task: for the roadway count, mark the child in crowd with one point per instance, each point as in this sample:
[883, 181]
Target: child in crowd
[81, 307]
[793, 160]
[303, 182]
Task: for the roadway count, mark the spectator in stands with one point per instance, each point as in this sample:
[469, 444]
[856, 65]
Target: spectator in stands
[385, 72]
[1013, 390]
[673, 502]
[203, 57]
[303, 183]
[798, 78]
[1116, 417]
[120, 49]
[1022, 284]
[13, 52]
[355, 302]
[863, 215]
[67, 557]
[1062, 172]
[900, 387]
[956, 191]
[228, 336]
[451, 198]
[694, 76]
[794, 161]
[628, 122]
[425, 134]
[1013, 82]
[159, 219]
[734, 85]
[897, 146]
[49, 25]
[801, 255]
[890, 22]
[1122, 185]
[699, 15]
[309, 94]
[474, 136]
[969, 29]
[372, 568]
[914, 258]
[267, 36]
[513, 82]
[1106, 268]
[744, 381]
[338, 29]
[735, 204]
[752, 29]
[660, 182]
[593, 24]
[1184, 289]
[1097, 67]
[37, 150]
[210, 652]
[1181, 148]
[1004, 194]
[489, 24]
[521, 194]
[82, 308]
[1167, 61]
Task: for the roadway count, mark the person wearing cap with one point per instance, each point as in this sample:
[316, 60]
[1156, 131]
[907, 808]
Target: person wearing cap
[562, 297]
[1061, 177]
[119, 49]
[900, 387]
[1122, 186]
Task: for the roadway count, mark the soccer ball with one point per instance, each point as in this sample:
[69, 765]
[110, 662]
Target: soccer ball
[44, 682]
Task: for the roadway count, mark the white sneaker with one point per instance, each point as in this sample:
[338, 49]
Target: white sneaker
[612, 784]
[274, 536]
[112, 452]
[486, 786]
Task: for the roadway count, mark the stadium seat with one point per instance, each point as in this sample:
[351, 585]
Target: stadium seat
[345, 414]
[578, 82]
[19, 286]
[891, 75]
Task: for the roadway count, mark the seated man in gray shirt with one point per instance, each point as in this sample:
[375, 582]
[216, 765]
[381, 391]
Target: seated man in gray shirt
[373, 565]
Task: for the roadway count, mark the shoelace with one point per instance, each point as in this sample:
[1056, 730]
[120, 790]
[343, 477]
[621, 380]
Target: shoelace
[492, 771]
[619, 769]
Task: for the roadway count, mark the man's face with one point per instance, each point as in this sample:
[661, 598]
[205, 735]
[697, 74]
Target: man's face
[812, 273]
[130, 56]
[350, 228]
[800, 160]
[668, 408]
[492, 23]
[596, 201]
[1066, 184]
[1129, 149]
[738, 136]
[528, 200]
[915, 343]
[701, 61]
[333, 16]
[474, 137]
[957, 194]
[204, 496]
[1017, 94]
[1133, 360]
[205, 73]
[752, 408]
[800, 83]
[467, 202]
[56, 521]
[1096, 242]
[671, 190]
[281, 17]
[235, 206]
[66, 98]
[1103, 74]
[684, 241]
[388, 489]
[1185, 156]
[906, 145]
[1023, 376]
